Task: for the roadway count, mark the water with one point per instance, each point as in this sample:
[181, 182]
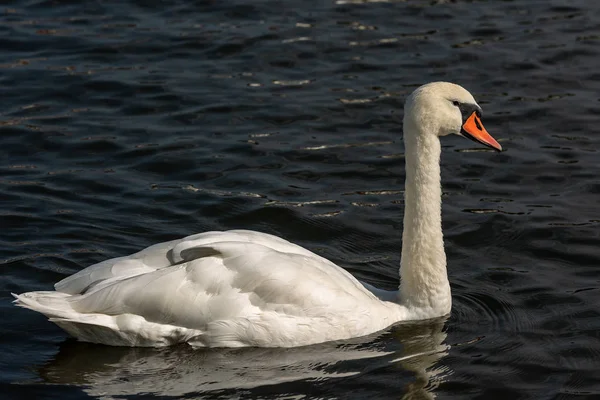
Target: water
[127, 123]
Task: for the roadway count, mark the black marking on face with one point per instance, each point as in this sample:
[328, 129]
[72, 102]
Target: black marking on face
[466, 109]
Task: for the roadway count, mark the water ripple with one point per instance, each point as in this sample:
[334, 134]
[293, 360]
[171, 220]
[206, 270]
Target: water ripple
[126, 124]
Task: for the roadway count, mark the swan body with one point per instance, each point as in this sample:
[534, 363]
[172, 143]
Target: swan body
[244, 288]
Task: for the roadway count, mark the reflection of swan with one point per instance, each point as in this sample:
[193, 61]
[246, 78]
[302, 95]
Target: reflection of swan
[420, 354]
[392, 364]
[244, 288]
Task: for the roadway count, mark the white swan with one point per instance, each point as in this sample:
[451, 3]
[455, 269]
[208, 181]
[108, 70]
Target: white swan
[244, 288]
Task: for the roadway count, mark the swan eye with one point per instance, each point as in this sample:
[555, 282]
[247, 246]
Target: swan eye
[456, 103]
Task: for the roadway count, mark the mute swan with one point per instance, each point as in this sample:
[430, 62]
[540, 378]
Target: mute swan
[243, 288]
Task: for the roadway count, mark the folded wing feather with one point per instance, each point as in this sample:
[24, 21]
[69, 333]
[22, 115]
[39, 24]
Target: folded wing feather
[214, 276]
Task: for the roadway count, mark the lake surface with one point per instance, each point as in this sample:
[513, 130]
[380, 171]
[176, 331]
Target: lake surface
[127, 123]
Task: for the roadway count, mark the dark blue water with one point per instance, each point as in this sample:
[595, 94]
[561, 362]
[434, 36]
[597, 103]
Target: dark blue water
[126, 123]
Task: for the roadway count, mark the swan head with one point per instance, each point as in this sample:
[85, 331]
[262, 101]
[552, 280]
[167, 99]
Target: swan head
[443, 108]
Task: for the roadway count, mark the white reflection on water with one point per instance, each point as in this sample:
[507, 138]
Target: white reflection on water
[112, 372]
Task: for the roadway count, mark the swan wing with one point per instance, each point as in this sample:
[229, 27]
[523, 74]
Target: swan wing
[221, 280]
[229, 288]
[162, 255]
[148, 260]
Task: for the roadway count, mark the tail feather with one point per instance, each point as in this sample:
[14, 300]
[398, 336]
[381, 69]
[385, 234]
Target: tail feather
[115, 330]
[51, 304]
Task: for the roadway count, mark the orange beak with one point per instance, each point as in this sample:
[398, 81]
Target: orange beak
[474, 129]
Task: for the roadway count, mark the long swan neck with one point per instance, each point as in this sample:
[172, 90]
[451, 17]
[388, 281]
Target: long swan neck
[424, 279]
